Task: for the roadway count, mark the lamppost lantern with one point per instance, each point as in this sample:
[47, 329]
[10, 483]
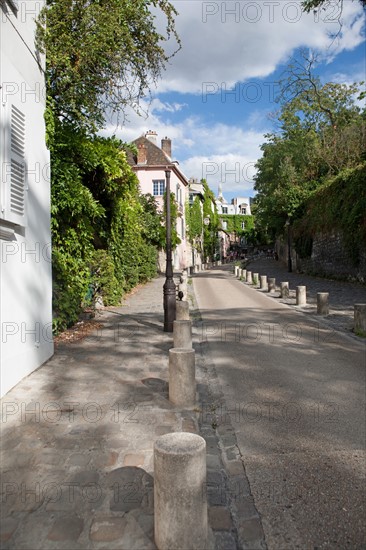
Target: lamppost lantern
[169, 290]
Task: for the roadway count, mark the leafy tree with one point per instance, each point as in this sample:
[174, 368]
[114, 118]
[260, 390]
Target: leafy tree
[99, 224]
[194, 221]
[309, 5]
[102, 55]
[321, 132]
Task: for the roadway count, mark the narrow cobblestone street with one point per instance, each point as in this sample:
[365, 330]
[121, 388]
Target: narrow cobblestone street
[78, 434]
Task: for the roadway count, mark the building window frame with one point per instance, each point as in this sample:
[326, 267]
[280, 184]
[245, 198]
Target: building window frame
[158, 188]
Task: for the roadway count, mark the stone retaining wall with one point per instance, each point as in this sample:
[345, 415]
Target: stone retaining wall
[329, 258]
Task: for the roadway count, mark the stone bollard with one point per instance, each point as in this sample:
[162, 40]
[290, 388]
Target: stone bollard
[180, 501]
[182, 334]
[182, 311]
[285, 290]
[240, 273]
[236, 267]
[272, 285]
[249, 277]
[322, 303]
[244, 274]
[182, 377]
[263, 282]
[360, 319]
[255, 278]
[301, 295]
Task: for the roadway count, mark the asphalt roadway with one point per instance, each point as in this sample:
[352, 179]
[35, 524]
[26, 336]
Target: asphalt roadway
[295, 393]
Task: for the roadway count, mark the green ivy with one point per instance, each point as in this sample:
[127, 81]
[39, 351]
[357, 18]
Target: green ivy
[105, 234]
[340, 204]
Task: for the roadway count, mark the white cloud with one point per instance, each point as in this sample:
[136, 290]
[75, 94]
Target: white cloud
[234, 41]
[217, 152]
[159, 106]
[222, 51]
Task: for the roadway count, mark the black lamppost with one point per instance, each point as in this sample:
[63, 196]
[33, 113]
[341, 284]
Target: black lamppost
[289, 258]
[169, 290]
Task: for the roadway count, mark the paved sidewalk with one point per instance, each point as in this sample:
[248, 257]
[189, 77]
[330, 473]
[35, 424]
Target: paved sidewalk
[342, 295]
[78, 435]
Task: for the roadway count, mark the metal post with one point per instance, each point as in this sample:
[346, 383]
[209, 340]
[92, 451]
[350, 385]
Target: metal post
[289, 258]
[169, 290]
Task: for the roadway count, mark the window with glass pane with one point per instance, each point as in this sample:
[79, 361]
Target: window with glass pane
[158, 187]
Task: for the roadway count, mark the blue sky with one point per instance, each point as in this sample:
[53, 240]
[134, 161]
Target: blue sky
[216, 95]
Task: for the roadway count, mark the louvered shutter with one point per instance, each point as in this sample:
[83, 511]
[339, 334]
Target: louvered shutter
[15, 183]
[14, 5]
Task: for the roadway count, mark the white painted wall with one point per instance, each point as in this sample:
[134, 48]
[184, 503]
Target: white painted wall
[25, 261]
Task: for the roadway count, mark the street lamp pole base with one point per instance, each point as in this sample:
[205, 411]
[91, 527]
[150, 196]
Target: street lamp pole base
[169, 300]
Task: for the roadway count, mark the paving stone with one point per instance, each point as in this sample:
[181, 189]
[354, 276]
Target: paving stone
[86, 477]
[228, 440]
[220, 518]
[107, 529]
[232, 453]
[234, 467]
[66, 528]
[213, 461]
[104, 460]
[251, 532]
[79, 459]
[134, 460]
[162, 430]
[224, 541]
[189, 426]
[245, 508]
[7, 528]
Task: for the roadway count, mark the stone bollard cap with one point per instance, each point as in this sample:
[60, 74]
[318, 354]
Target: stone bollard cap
[180, 443]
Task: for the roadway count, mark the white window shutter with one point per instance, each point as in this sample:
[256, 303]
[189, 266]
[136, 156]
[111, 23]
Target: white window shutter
[14, 5]
[15, 168]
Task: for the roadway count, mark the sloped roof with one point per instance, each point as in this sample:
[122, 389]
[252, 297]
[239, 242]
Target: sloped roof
[154, 154]
[155, 157]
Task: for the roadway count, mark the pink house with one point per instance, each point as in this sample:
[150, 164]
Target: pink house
[150, 165]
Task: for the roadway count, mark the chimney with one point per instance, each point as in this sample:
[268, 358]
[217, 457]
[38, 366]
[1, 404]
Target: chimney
[166, 145]
[141, 154]
[151, 136]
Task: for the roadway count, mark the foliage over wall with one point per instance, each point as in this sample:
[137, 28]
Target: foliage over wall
[101, 57]
[339, 205]
[234, 222]
[105, 235]
[312, 172]
[194, 221]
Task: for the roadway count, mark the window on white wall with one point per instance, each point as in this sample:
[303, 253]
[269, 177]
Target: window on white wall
[158, 188]
[13, 207]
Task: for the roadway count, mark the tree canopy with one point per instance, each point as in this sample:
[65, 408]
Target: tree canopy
[321, 132]
[309, 5]
[102, 55]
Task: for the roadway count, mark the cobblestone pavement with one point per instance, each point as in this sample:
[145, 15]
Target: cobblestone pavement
[342, 295]
[78, 435]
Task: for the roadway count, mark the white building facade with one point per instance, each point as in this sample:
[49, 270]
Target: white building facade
[25, 235]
